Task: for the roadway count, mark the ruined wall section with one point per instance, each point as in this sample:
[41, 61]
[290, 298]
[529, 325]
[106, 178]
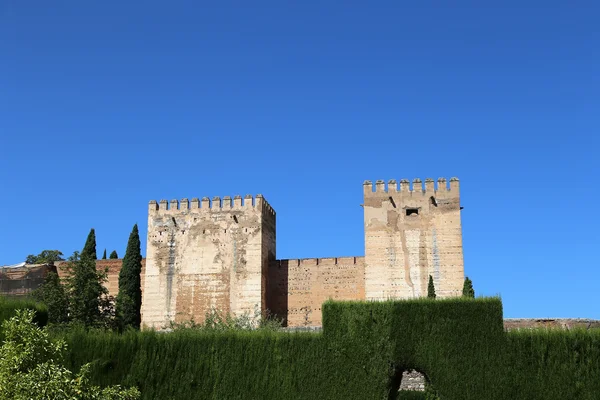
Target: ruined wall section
[112, 267]
[298, 288]
[205, 254]
[411, 233]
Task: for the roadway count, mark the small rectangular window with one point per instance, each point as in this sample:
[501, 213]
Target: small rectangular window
[412, 211]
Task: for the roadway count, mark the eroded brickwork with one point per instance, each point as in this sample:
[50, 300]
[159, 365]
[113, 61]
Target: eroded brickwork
[298, 288]
[112, 268]
[409, 235]
[205, 254]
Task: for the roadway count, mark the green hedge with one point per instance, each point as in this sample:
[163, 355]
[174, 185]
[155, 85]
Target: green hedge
[8, 307]
[459, 344]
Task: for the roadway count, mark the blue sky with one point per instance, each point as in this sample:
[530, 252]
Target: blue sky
[107, 105]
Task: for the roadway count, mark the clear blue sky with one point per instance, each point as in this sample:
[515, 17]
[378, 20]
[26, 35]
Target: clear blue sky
[105, 105]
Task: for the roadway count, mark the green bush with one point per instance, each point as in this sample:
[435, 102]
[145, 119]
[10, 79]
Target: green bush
[411, 395]
[9, 307]
[460, 344]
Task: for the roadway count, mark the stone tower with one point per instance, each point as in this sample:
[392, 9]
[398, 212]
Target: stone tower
[411, 234]
[204, 254]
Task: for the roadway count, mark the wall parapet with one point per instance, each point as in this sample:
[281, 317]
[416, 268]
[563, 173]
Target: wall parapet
[215, 204]
[320, 261]
[405, 186]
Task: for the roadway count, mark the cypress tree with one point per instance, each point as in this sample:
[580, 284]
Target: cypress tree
[104, 255]
[86, 290]
[430, 289]
[113, 255]
[129, 299]
[468, 290]
[53, 294]
[89, 249]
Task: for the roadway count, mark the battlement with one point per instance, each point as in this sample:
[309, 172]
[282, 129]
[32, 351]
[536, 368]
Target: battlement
[404, 186]
[215, 204]
[320, 261]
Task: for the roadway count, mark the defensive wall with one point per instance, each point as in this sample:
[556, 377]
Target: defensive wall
[221, 253]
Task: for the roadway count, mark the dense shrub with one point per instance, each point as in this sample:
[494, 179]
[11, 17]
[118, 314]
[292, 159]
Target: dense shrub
[9, 307]
[460, 345]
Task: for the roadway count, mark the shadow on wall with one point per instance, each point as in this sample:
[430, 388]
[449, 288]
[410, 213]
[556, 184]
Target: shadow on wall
[277, 293]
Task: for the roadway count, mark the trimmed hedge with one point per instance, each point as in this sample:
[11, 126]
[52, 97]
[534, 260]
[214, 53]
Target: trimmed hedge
[8, 308]
[459, 344]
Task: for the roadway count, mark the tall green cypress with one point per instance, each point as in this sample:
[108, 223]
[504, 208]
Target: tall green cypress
[468, 290]
[104, 255]
[113, 255]
[53, 294]
[86, 290]
[129, 299]
[430, 289]
[89, 249]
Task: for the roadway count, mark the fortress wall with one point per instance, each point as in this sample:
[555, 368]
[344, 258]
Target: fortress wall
[411, 233]
[205, 254]
[113, 268]
[298, 288]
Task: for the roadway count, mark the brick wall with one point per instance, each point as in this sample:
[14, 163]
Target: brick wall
[113, 268]
[298, 288]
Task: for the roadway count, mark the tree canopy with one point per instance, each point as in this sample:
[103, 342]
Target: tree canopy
[45, 257]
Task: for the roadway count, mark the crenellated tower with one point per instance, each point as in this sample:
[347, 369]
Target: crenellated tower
[411, 233]
[206, 253]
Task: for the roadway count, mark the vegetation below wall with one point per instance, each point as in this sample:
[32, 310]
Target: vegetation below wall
[9, 307]
[459, 344]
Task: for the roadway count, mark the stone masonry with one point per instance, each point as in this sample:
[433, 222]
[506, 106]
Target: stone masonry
[206, 254]
[409, 235]
[220, 253]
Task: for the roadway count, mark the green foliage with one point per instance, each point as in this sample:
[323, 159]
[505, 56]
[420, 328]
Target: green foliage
[104, 255]
[468, 290]
[411, 395]
[113, 255]
[89, 249]
[430, 289]
[129, 299]
[9, 308]
[45, 257]
[53, 294]
[90, 304]
[459, 344]
[217, 321]
[31, 367]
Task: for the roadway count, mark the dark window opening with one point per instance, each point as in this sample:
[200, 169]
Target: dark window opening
[412, 211]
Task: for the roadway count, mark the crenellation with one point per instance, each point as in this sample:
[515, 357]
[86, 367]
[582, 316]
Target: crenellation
[441, 185]
[163, 205]
[222, 253]
[454, 186]
[392, 186]
[226, 203]
[404, 186]
[367, 187]
[417, 186]
[429, 186]
[184, 204]
[205, 203]
[237, 201]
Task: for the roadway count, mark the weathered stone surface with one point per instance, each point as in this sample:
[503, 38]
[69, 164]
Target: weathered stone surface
[298, 288]
[412, 380]
[221, 253]
[216, 255]
[409, 235]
